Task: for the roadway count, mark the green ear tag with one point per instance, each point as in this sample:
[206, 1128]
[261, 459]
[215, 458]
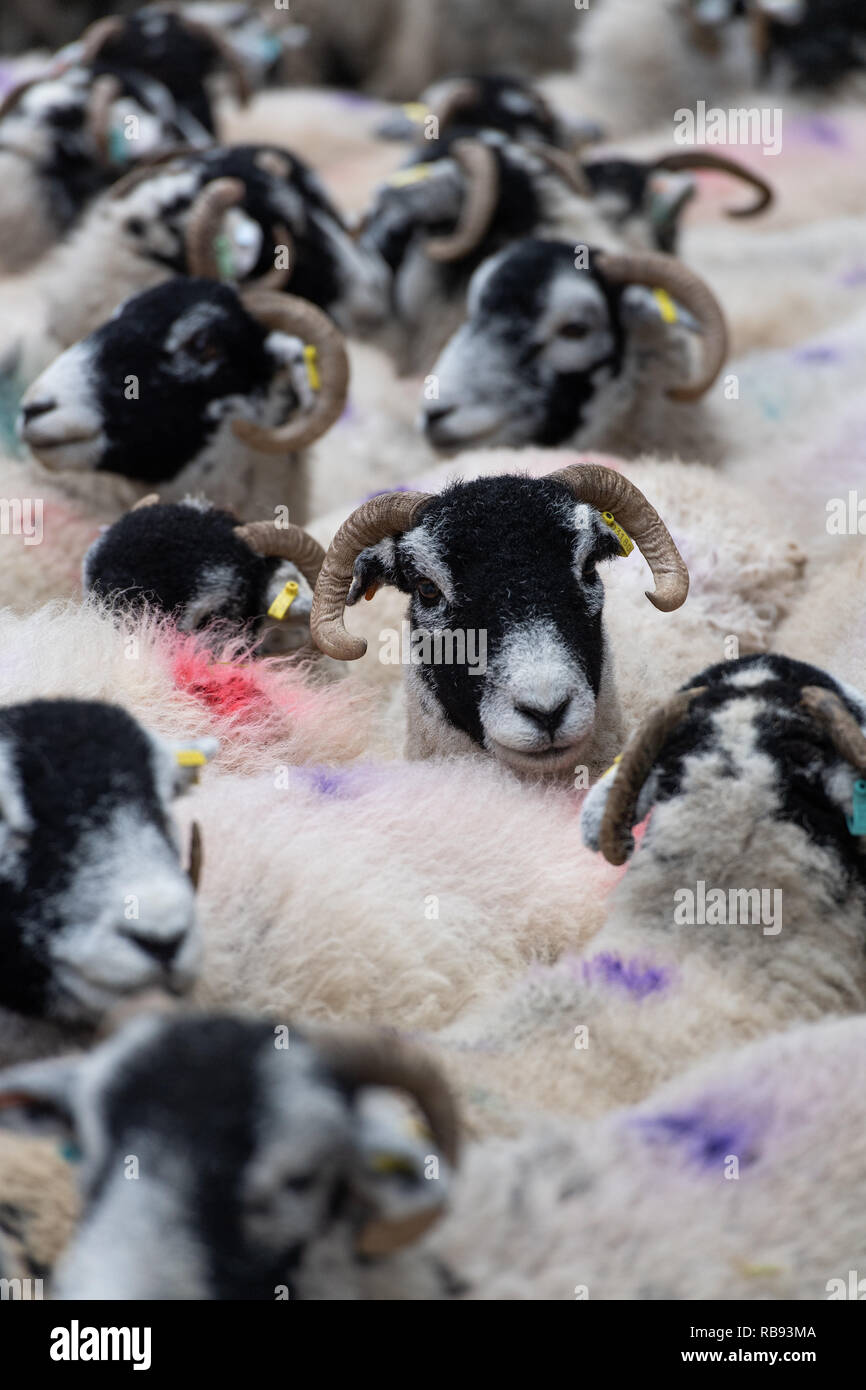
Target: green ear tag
[118, 146]
[70, 1151]
[857, 821]
[225, 256]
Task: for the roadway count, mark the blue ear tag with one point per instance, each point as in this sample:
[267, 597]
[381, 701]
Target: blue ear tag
[70, 1151]
[857, 821]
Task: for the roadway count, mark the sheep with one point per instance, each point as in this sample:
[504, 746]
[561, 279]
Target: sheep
[488, 192]
[542, 630]
[253, 215]
[554, 351]
[94, 900]
[741, 1179]
[64, 139]
[39, 1208]
[190, 386]
[674, 55]
[488, 101]
[741, 913]
[195, 563]
[395, 50]
[634, 1205]
[320, 1171]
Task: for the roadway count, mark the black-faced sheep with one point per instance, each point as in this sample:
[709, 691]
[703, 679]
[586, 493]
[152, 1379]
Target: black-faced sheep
[193, 387]
[320, 1172]
[212, 575]
[94, 900]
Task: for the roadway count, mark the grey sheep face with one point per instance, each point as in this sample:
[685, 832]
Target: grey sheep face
[95, 903]
[549, 353]
[225, 1159]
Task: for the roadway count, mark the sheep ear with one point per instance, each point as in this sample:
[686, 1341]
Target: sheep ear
[654, 310]
[36, 1098]
[401, 1180]
[375, 566]
[190, 756]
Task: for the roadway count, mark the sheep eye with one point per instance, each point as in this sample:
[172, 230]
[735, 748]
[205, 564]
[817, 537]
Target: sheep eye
[574, 331]
[203, 347]
[302, 1182]
[427, 591]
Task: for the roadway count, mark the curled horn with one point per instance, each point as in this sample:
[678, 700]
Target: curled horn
[196, 855]
[297, 317]
[704, 159]
[360, 1059]
[641, 752]
[104, 92]
[653, 269]
[203, 224]
[13, 97]
[842, 728]
[150, 500]
[98, 34]
[286, 543]
[564, 164]
[481, 170]
[226, 53]
[146, 168]
[609, 491]
[387, 515]
[459, 94]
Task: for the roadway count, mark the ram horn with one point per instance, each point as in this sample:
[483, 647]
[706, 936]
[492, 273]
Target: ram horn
[14, 95]
[480, 167]
[565, 165]
[196, 855]
[149, 500]
[703, 159]
[842, 728]
[286, 313]
[146, 167]
[610, 491]
[389, 514]
[285, 543]
[104, 92]
[657, 271]
[226, 53]
[204, 223]
[359, 1059]
[458, 94]
[635, 765]
[97, 35]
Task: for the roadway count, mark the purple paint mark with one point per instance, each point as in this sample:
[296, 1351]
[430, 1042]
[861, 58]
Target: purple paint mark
[350, 412]
[705, 1138]
[855, 276]
[817, 354]
[353, 99]
[821, 131]
[635, 976]
[330, 781]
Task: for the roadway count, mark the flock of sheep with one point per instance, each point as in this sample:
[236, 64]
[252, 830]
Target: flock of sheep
[508, 939]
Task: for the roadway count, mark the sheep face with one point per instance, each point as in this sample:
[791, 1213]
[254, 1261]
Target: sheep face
[153, 391]
[747, 763]
[94, 902]
[472, 566]
[187, 560]
[544, 355]
[487, 101]
[298, 1161]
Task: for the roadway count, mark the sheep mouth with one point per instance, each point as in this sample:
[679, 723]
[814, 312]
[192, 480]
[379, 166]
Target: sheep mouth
[72, 451]
[557, 757]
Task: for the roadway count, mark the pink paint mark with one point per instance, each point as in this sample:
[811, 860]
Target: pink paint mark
[242, 691]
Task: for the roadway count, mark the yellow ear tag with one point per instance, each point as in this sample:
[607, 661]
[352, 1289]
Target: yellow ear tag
[390, 1163]
[617, 759]
[416, 111]
[284, 600]
[311, 357]
[190, 757]
[625, 541]
[667, 308]
[414, 174]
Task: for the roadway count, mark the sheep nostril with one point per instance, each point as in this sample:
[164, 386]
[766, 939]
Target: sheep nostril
[549, 720]
[162, 948]
[34, 409]
[435, 414]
